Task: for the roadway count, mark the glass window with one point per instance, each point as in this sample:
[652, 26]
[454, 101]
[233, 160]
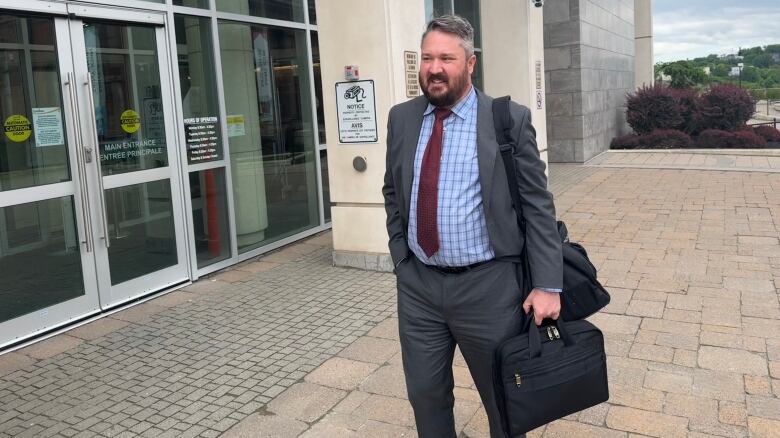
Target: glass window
[32, 145]
[141, 230]
[209, 216]
[315, 55]
[266, 81]
[312, 12]
[290, 10]
[476, 76]
[325, 183]
[198, 89]
[204, 4]
[469, 9]
[122, 61]
[40, 262]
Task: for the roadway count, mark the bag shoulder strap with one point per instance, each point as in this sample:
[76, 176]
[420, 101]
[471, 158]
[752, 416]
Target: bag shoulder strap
[503, 123]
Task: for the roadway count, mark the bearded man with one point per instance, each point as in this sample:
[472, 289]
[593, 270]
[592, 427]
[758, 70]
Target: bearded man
[454, 237]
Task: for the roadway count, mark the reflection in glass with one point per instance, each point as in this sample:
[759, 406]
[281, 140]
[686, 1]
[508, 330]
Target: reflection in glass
[267, 95]
[198, 89]
[476, 76]
[312, 12]
[33, 148]
[204, 4]
[40, 263]
[209, 216]
[141, 230]
[122, 61]
[290, 10]
[325, 183]
[315, 56]
[469, 9]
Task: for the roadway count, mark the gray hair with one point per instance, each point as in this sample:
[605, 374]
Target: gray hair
[455, 25]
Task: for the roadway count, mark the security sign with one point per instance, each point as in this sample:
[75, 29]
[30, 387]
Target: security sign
[130, 121]
[17, 128]
[356, 111]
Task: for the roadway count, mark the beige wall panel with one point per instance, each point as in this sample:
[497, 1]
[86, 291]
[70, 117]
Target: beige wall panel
[359, 229]
[351, 186]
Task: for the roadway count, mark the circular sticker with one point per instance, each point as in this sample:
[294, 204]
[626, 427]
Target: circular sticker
[17, 128]
[130, 121]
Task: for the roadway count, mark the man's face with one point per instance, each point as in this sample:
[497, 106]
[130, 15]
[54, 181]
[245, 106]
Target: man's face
[445, 73]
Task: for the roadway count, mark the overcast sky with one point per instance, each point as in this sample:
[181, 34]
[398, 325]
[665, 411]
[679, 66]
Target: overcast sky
[692, 28]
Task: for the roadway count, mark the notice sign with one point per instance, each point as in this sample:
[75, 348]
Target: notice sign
[356, 109]
[48, 126]
[202, 139]
[411, 68]
[236, 126]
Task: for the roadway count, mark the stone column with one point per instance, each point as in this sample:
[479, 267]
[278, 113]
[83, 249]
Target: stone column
[643, 25]
[513, 45]
[372, 35]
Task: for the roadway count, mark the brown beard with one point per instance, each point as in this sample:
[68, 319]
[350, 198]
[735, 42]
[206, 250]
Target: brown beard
[456, 86]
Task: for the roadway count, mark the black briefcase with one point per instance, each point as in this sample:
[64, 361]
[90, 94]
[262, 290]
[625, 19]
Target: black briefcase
[548, 373]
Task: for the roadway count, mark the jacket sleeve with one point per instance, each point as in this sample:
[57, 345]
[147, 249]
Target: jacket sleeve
[542, 239]
[399, 248]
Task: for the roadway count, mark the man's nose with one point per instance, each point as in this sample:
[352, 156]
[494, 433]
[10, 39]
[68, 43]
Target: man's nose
[435, 66]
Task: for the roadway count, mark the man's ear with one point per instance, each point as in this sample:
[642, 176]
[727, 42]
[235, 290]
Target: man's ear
[472, 61]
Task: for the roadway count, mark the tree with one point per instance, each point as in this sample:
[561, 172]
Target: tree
[750, 74]
[684, 74]
[721, 70]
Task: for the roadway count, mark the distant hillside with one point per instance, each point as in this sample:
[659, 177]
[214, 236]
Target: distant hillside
[761, 68]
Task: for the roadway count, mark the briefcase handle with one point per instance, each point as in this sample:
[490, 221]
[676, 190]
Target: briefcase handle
[535, 341]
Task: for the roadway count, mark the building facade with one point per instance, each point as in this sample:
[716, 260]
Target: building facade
[148, 144]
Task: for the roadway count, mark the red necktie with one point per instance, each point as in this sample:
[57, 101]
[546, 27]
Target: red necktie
[428, 194]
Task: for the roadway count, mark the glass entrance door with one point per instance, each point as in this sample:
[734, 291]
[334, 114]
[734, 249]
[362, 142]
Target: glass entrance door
[90, 199]
[126, 106]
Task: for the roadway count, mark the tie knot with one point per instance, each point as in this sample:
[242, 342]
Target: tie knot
[442, 113]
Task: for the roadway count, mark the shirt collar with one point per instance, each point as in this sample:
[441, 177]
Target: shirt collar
[461, 109]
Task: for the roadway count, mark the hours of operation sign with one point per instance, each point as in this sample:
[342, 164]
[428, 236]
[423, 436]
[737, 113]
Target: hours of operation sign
[356, 112]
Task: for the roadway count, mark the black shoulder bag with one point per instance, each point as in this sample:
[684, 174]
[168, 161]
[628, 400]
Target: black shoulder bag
[582, 295]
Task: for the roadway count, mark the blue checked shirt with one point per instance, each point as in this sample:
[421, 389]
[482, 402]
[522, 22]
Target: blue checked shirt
[463, 234]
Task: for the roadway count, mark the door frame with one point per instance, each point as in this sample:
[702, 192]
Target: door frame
[113, 295]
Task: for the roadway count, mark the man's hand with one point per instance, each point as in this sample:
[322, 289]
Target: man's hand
[545, 305]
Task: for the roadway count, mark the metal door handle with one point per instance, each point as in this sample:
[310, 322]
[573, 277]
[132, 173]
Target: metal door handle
[82, 174]
[93, 120]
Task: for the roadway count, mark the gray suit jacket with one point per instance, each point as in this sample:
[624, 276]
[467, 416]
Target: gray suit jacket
[544, 245]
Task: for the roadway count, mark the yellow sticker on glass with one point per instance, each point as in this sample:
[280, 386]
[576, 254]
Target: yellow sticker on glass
[17, 128]
[130, 121]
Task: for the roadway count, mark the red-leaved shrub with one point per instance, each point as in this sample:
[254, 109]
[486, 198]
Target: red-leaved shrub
[767, 132]
[688, 105]
[657, 139]
[718, 139]
[628, 141]
[726, 107]
[665, 139]
[653, 107]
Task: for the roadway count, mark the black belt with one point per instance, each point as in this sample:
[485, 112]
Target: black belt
[455, 269]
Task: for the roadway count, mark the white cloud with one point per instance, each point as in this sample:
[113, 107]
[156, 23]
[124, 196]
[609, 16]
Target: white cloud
[690, 33]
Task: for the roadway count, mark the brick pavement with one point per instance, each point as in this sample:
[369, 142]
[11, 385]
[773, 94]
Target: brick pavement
[290, 346]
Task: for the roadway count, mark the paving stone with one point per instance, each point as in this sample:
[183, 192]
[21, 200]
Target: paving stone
[477, 426]
[13, 361]
[653, 309]
[616, 323]
[387, 329]
[645, 399]
[719, 385]
[97, 329]
[341, 373]
[175, 298]
[763, 406]
[763, 428]
[266, 425]
[647, 423]
[733, 413]
[351, 402]
[51, 347]
[306, 401]
[372, 350]
[758, 385]
[386, 409]
[567, 429]
[651, 352]
[388, 380]
[669, 382]
[327, 430]
[731, 360]
[384, 430]
[138, 313]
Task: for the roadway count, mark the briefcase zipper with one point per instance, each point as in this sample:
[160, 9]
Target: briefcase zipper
[552, 333]
[518, 378]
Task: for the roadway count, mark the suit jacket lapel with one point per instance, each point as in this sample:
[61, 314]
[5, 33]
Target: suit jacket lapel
[487, 148]
[412, 125]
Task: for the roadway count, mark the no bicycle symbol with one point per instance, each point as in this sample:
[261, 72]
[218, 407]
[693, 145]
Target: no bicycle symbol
[355, 92]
